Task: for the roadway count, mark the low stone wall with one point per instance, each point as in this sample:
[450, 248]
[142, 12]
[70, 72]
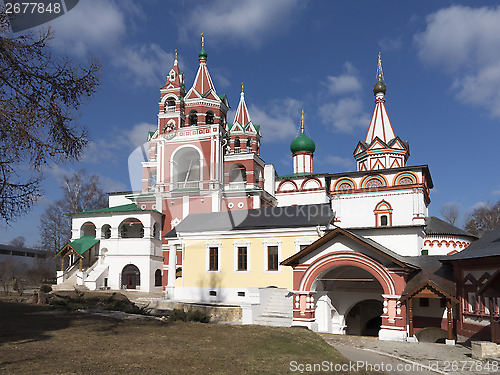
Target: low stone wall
[218, 313]
[485, 349]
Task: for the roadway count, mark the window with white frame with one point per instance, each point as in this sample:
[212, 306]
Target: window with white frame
[272, 255]
[213, 257]
[241, 256]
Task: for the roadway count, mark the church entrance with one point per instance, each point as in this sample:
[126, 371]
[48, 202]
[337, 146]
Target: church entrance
[131, 277]
[348, 301]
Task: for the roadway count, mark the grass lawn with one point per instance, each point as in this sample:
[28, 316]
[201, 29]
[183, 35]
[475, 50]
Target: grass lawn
[34, 342]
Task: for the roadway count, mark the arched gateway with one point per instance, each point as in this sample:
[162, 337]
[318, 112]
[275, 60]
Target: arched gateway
[344, 283]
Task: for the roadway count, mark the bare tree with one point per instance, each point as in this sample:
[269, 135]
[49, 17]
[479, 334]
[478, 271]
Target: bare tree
[55, 227]
[40, 97]
[81, 192]
[483, 219]
[450, 212]
[19, 241]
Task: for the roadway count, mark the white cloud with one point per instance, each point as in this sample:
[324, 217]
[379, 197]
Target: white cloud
[89, 26]
[344, 115]
[240, 21]
[347, 82]
[280, 121]
[138, 135]
[465, 43]
[345, 163]
[145, 64]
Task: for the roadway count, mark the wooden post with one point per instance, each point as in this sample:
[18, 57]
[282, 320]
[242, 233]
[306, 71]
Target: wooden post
[450, 319]
[62, 263]
[410, 315]
[80, 265]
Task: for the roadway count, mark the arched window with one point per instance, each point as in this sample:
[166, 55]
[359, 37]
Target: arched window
[209, 118]
[193, 117]
[158, 277]
[237, 144]
[131, 277]
[87, 229]
[249, 144]
[152, 180]
[169, 105]
[238, 175]
[106, 231]
[186, 168]
[131, 228]
[383, 214]
[156, 232]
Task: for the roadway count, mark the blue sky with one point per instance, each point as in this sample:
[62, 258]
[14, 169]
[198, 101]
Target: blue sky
[441, 64]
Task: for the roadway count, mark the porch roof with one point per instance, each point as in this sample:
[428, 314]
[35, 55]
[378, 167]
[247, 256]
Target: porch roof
[433, 276]
[80, 245]
[378, 248]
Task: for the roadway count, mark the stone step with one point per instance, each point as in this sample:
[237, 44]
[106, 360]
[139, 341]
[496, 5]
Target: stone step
[273, 321]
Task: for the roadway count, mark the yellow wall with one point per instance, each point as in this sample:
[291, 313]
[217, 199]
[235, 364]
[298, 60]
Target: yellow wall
[194, 272]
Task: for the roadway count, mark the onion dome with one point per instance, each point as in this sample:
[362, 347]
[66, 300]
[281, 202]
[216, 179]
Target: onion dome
[302, 144]
[379, 87]
[202, 54]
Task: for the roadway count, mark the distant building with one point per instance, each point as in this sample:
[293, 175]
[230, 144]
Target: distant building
[21, 257]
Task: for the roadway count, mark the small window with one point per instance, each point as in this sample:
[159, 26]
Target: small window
[424, 302]
[209, 118]
[302, 247]
[242, 258]
[158, 278]
[383, 220]
[249, 144]
[214, 259]
[237, 145]
[272, 258]
[213, 293]
[241, 294]
[193, 118]
[424, 252]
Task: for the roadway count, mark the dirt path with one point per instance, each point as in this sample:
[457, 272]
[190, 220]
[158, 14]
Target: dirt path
[412, 358]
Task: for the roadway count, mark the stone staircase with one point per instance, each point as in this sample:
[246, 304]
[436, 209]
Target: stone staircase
[69, 284]
[276, 309]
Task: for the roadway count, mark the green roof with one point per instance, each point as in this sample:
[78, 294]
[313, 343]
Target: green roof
[302, 144]
[202, 54]
[150, 135]
[82, 244]
[122, 208]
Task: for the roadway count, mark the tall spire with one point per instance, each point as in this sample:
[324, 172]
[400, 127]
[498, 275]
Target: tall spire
[302, 122]
[242, 116]
[380, 125]
[203, 54]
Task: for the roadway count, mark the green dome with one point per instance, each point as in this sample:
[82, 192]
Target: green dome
[379, 87]
[202, 54]
[302, 144]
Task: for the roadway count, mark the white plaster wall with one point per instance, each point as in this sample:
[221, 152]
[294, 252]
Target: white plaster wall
[119, 200]
[404, 241]
[224, 295]
[357, 210]
[296, 198]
